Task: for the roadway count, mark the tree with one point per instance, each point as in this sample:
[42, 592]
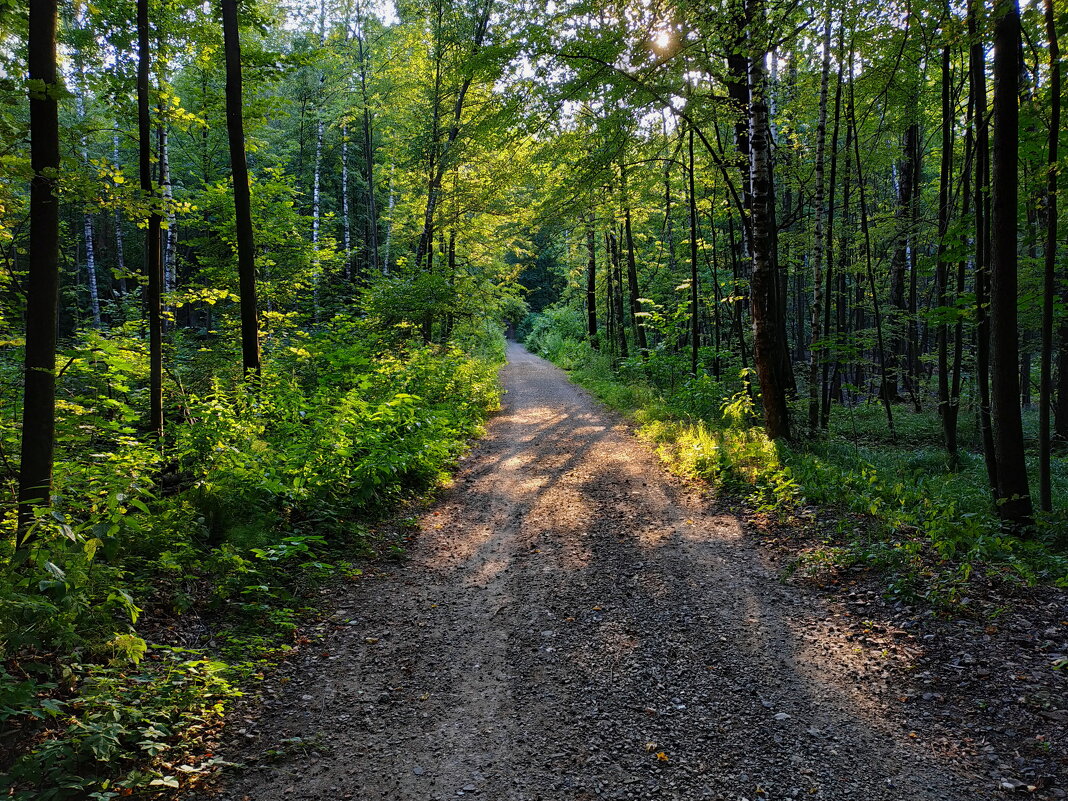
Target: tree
[1049, 288]
[39, 388]
[153, 265]
[235, 129]
[771, 354]
[1013, 492]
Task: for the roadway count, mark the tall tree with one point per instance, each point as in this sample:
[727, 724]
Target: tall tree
[591, 284]
[1013, 491]
[818, 239]
[770, 349]
[1049, 287]
[39, 398]
[153, 267]
[235, 130]
[947, 405]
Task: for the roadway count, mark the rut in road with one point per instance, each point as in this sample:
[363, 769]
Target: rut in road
[575, 623]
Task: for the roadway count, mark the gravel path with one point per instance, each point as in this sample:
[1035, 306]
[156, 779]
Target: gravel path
[574, 623]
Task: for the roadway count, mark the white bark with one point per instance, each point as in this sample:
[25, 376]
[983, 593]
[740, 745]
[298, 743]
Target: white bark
[87, 218]
[120, 256]
[389, 224]
[345, 200]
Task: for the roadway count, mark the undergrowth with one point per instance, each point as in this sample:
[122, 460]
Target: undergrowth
[896, 504]
[168, 576]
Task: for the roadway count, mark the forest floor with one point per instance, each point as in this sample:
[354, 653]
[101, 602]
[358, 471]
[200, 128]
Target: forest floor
[573, 622]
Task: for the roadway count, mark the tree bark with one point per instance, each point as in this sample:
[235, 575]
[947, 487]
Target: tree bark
[368, 151]
[235, 129]
[591, 286]
[947, 411]
[1014, 495]
[87, 217]
[153, 270]
[770, 347]
[695, 339]
[816, 351]
[632, 269]
[977, 70]
[42, 296]
[1049, 274]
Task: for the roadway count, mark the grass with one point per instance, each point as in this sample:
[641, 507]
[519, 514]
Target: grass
[888, 503]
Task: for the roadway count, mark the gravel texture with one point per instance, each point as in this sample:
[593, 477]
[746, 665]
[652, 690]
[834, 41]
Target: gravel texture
[575, 623]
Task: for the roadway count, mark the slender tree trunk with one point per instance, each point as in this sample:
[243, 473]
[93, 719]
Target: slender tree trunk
[616, 288]
[609, 295]
[947, 414]
[120, 250]
[368, 154]
[632, 269]
[817, 353]
[866, 231]
[1014, 495]
[389, 224]
[167, 194]
[235, 129]
[977, 70]
[694, 296]
[346, 222]
[953, 409]
[87, 217]
[437, 170]
[315, 213]
[591, 285]
[825, 409]
[42, 295]
[1049, 273]
[152, 237]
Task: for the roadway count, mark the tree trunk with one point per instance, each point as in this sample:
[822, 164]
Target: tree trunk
[621, 317]
[632, 270]
[315, 213]
[368, 154]
[869, 269]
[346, 223]
[1014, 495]
[153, 270]
[770, 348]
[825, 396]
[816, 351]
[694, 297]
[977, 70]
[591, 286]
[1049, 273]
[42, 295]
[235, 129]
[946, 410]
[120, 250]
[87, 217]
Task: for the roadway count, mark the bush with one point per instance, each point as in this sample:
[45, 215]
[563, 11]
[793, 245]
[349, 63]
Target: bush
[260, 490]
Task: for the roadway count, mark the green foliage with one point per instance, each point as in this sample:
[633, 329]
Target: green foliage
[262, 490]
[914, 511]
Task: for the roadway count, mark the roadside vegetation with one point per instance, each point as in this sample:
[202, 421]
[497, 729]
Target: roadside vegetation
[892, 501]
[167, 577]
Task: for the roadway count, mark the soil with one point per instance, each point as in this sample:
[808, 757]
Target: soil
[573, 622]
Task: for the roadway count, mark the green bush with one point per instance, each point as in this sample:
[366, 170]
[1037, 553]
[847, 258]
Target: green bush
[260, 490]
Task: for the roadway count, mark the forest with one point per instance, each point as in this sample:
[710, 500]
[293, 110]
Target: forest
[259, 259]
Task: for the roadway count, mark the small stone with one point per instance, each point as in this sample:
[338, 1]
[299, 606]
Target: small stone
[418, 771]
[781, 716]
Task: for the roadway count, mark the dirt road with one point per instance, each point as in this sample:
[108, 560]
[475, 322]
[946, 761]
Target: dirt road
[574, 623]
